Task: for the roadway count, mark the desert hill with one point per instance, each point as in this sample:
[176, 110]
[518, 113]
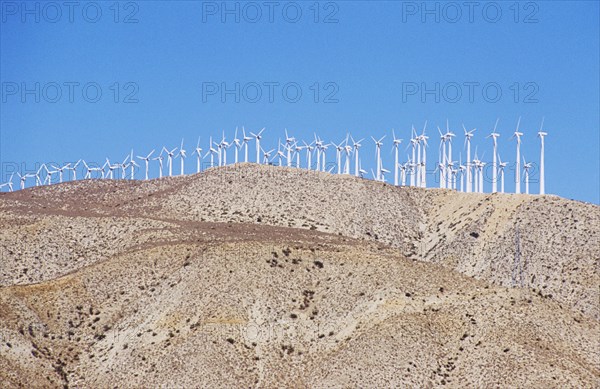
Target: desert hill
[264, 276]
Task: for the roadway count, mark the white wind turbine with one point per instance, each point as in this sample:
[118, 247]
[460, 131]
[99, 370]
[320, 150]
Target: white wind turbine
[60, 171]
[461, 170]
[319, 148]
[423, 163]
[88, 170]
[338, 156]
[501, 167]
[288, 143]
[146, 159]
[111, 168]
[170, 155]
[160, 158]
[468, 136]
[526, 167]
[38, 180]
[224, 145]
[267, 156]
[449, 136]
[212, 151]
[518, 135]
[182, 156]
[73, 168]
[378, 144]
[356, 145]
[348, 150]
[414, 142]
[541, 135]
[10, 183]
[324, 157]
[237, 145]
[279, 154]
[198, 152]
[403, 168]
[258, 137]
[22, 180]
[245, 140]
[396, 145]
[442, 158]
[49, 174]
[309, 150]
[297, 150]
[132, 166]
[494, 135]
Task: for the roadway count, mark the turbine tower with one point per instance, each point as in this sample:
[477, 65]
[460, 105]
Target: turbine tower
[542, 134]
[146, 159]
[468, 136]
[245, 140]
[356, 146]
[378, 144]
[170, 155]
[423, 139]
[258, 137]
[501, 167]
[198, 152]
[526, 167]
[442, 158]
[518, 135]
[289, 141]
[494, 135]
[395, 149]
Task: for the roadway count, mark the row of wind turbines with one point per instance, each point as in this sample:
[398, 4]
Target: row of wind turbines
[452, 174]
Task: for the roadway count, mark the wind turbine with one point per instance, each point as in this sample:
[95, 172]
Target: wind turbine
[267, 156]
[115, 166]
[22, 179]
[403, 173]
[348, 150]
[88, 170]
[258, 137]
[414, 142]
[38, 180]
[397, 142]
[541, 135]
[245, 140]
[297, 150]
[160, 158]
[526, 167]
[146, 159]
[501, 167]
[449, 136]
[356, 145]
[224, 145]
[378, 144]
[319, 147]
[288, 142]
[338, 156]
[324, 155]
[279, 154]
[461, 170]
[212, 151]
[133, 165]
[170, 155]
[442, 158]
[494, 135]
[10, 183]
[236, 144]
[518, 135]
[423, 139]
[468, 136]
[60, 171]
[73, 168]
[182, 156]
[198, 152]
[309, 150]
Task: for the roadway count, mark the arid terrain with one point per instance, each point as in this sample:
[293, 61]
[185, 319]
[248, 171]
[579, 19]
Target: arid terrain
[261, 276]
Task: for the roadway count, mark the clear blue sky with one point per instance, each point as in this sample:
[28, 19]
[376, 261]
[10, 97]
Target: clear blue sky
[367, 58]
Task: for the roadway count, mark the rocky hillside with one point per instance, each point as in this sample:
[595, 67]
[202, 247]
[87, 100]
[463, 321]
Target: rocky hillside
[264, 276]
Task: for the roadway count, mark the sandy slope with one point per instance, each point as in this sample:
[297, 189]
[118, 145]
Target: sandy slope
[260, 276]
